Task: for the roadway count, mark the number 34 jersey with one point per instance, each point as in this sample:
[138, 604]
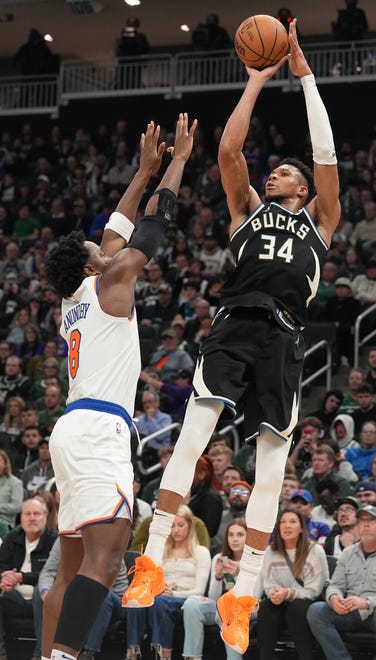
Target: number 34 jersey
[104, 350]
[278, 256]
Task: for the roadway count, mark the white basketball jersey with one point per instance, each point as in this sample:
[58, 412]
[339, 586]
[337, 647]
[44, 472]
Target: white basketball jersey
[104, 352]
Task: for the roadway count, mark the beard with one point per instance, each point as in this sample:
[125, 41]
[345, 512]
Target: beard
[274, 198]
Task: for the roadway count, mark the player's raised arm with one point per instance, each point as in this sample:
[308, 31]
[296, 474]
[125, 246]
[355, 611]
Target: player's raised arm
[120, 226]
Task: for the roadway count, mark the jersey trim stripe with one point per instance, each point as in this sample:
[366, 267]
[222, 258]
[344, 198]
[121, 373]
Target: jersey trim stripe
[100, 406]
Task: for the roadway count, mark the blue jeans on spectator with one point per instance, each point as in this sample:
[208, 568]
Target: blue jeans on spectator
[161, 616]
[110, 610]
[12, 604]
[325, 624]
[198, 612]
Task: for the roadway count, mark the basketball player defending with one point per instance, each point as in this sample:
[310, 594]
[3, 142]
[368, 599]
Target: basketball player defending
[90, 444]
[255, 347]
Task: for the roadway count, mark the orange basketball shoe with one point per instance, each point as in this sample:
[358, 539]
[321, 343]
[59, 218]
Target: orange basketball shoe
[148, 582]
[234, 612]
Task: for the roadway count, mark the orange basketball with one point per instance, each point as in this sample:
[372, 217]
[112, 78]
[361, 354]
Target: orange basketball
[261, 41]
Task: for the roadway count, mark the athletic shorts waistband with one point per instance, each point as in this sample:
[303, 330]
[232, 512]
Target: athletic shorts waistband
[99, 406]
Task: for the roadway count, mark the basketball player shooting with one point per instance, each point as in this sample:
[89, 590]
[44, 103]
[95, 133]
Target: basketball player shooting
[90, 443]
[255, 348]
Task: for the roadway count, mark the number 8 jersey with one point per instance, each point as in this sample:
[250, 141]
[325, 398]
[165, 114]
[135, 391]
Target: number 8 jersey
[278, 256]
[104, 351]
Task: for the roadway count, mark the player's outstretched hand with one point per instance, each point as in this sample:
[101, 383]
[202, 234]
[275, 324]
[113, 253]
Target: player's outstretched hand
[298, 63]
[265, 74]
[150, 151]
[183, 138]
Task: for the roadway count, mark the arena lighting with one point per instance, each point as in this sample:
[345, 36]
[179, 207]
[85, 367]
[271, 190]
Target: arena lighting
[132, 3]
[185, 28]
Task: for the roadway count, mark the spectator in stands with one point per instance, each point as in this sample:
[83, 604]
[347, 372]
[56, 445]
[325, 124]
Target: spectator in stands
[345, 531]
[159, 312]
[326, 291]
[6, 349]
[364, 287]
[57, 221]
[150, 491]
[371, 372]
[40, 472]
[343, 312]
[12, 419]
[221, 457]
[204, 500]
[323, 466]
[177, 390]
[342, 431]
[28, 451]
[349, 402]
[364, 234]
[365, 492]
[169, 358]
[190, 296]
[302, 500]
[199, 611]
[351, 594]
[310, 431]
[13, 383]
[26, 228]
[351, 23]
[132, 42]
[231, 474]
[35, 367]
[210, 35]
[53, 406]
[11, 495]
[18, 324]
[31, 345]
[290, 484]
[239, 495]
[367, 408]
[22, 555]
[328, 494]
[34, 56]
[292, 577]
[328, 409]
[150, 421]
[343, 467]
[48, 498]
[186, 568]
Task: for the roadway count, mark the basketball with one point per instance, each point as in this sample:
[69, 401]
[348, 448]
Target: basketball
[261, 41]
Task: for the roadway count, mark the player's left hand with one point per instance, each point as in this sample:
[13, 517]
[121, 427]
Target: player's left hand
[151, 151]
[265, 74]
[297, 61]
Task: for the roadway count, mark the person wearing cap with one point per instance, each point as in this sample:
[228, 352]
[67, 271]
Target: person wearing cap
[351, 593]
[170, 358]
[365, 492]
[302, 500]
[343, 311]
[36, 476]
[345, 531]
[238, 497]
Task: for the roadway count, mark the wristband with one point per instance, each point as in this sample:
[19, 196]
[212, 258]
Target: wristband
[318, 122]
[43, 591]
[120, 224]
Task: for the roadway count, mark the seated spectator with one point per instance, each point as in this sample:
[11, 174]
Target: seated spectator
[12, 262]
[204, 500]
[11, 495]
[328, 494]
[239, 495]
[21, 320]
[292, 577]
[364, 233]
[343, 467]
[232, 473]
[342, 431]
[301, 456]
[111, 608]
[354, 380]
[48, 498]
[142, 534]
[40, 472]
[345, 531]
[177, 391]
[150, 421]
[291, 483]
[13, 383]
[31, 345]
[351, 593]
[365, 492]
[343, 312]
[364, 287]
[34, 369]
[150, 491]
[371, 372]
[301, 500]
[351, 23]
[367, 408]
[22, 556]
[6, 349]
[12, 419]
[245, 458]
[328, 409]
[323, 466]
[159, 312]
[51, 370]
[326, 291]
[361, 456]
[221, 457]
[186, 568]
[210, 35]
[169, 358]
[53, 406]
[28, 450]
[199, 611]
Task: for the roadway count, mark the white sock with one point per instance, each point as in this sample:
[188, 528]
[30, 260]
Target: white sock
[249, 568]
[61, 655]
[159, 530]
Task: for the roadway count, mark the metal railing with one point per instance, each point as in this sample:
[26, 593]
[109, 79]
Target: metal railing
[326, 368]
[171, 75]
[358, 342]
[144, 441]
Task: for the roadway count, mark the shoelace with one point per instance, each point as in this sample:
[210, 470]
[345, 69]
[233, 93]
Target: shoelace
[141, 576]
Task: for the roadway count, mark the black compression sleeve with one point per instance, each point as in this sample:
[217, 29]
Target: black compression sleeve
[148, 235]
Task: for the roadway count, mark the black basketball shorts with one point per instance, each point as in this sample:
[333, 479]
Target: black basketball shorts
[249, 355]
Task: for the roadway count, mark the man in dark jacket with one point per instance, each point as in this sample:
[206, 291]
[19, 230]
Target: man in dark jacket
[22, 556]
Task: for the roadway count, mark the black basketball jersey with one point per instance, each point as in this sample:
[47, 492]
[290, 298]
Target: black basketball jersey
[278, 255]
